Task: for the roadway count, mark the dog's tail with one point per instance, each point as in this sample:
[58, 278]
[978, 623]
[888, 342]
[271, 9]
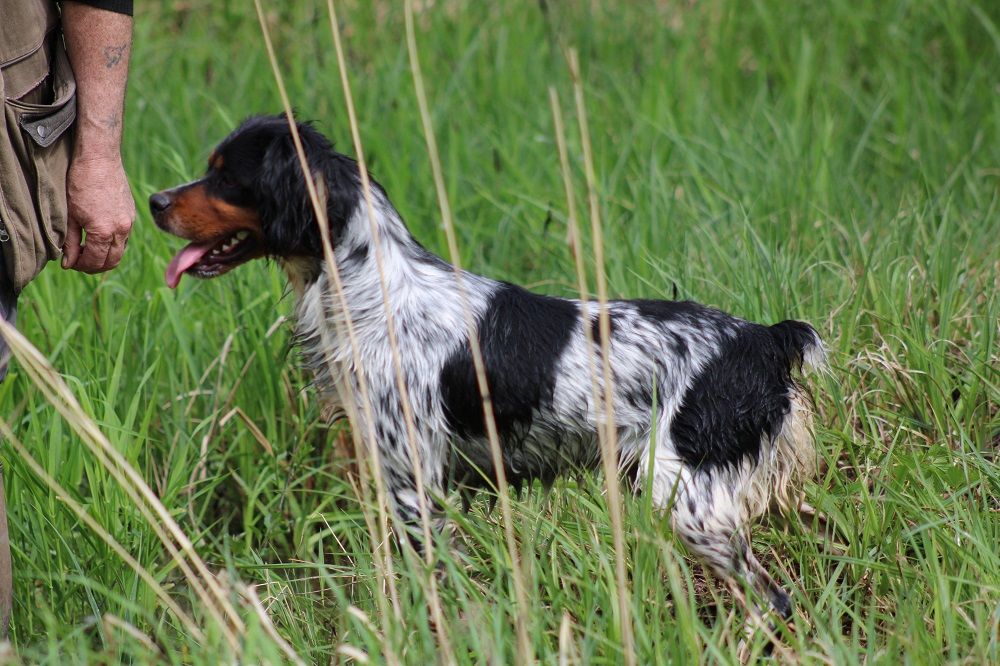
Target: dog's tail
[792, 448]
[801, 344]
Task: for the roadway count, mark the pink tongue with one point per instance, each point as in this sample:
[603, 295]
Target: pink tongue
[185, 259]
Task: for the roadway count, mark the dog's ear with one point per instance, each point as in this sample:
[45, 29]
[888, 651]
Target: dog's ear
[286, 211]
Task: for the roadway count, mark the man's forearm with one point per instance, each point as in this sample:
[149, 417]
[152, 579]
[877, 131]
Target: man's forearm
[100, 209]
[99, 43]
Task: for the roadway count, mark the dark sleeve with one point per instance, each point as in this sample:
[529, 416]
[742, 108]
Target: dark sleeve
[117, 6]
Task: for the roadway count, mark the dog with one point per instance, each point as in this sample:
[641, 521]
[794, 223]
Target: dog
[708, 411]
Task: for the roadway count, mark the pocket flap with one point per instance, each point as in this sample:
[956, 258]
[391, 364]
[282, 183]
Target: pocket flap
[44, 131]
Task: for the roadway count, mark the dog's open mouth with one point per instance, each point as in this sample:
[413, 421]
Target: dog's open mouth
[211, 259]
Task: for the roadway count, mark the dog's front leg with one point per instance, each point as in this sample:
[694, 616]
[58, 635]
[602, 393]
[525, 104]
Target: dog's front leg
[413, 487]
[417, 517]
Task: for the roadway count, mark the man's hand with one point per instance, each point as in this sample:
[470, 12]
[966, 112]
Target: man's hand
[100, 204]
[99, 201]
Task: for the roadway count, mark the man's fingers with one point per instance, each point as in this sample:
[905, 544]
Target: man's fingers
[115, 252]
[71, 246]
[93, 254]
[98, 251]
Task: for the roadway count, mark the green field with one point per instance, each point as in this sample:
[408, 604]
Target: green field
[834, 162]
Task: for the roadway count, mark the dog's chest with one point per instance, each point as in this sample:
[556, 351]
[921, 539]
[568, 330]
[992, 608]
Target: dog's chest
[429, 324]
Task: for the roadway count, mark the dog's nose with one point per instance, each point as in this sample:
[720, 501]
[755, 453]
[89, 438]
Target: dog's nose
[159, 202]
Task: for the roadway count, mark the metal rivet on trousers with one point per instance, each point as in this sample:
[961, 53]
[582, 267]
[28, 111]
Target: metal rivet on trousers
[42, 131]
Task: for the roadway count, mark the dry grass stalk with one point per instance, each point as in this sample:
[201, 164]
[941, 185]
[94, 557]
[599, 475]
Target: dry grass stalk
[434, 598]
[525, 651]
[63, 495]
[381, 557]
[181, 550]
[609, 443]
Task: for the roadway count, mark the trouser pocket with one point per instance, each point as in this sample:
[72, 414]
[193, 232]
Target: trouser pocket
[35, 150]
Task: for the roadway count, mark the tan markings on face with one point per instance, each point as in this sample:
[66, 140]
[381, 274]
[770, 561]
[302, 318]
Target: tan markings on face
[215, 161]
[196, 216]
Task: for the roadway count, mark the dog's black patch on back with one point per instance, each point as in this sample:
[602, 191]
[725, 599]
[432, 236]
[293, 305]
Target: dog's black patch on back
[671, 310]
[522, 336]
[741, 395]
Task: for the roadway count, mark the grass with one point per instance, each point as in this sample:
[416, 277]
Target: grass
[835, 162]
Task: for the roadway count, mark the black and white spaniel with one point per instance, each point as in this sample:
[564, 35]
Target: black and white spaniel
[707, 411]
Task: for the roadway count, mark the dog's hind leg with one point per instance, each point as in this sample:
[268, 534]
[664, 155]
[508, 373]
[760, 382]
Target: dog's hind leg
[713, 522]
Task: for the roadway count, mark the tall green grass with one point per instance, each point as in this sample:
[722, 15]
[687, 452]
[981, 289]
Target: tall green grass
[835, 162]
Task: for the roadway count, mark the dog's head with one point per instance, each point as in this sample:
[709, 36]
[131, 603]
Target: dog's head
[253, 201]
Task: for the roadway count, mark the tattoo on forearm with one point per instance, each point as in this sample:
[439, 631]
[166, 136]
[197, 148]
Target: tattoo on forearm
[114, 55]
[112, 121]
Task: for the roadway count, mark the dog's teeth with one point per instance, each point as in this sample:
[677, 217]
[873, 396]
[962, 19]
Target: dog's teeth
[234, 241]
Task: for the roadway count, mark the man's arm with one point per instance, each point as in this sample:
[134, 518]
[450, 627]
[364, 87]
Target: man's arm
[100, 203]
